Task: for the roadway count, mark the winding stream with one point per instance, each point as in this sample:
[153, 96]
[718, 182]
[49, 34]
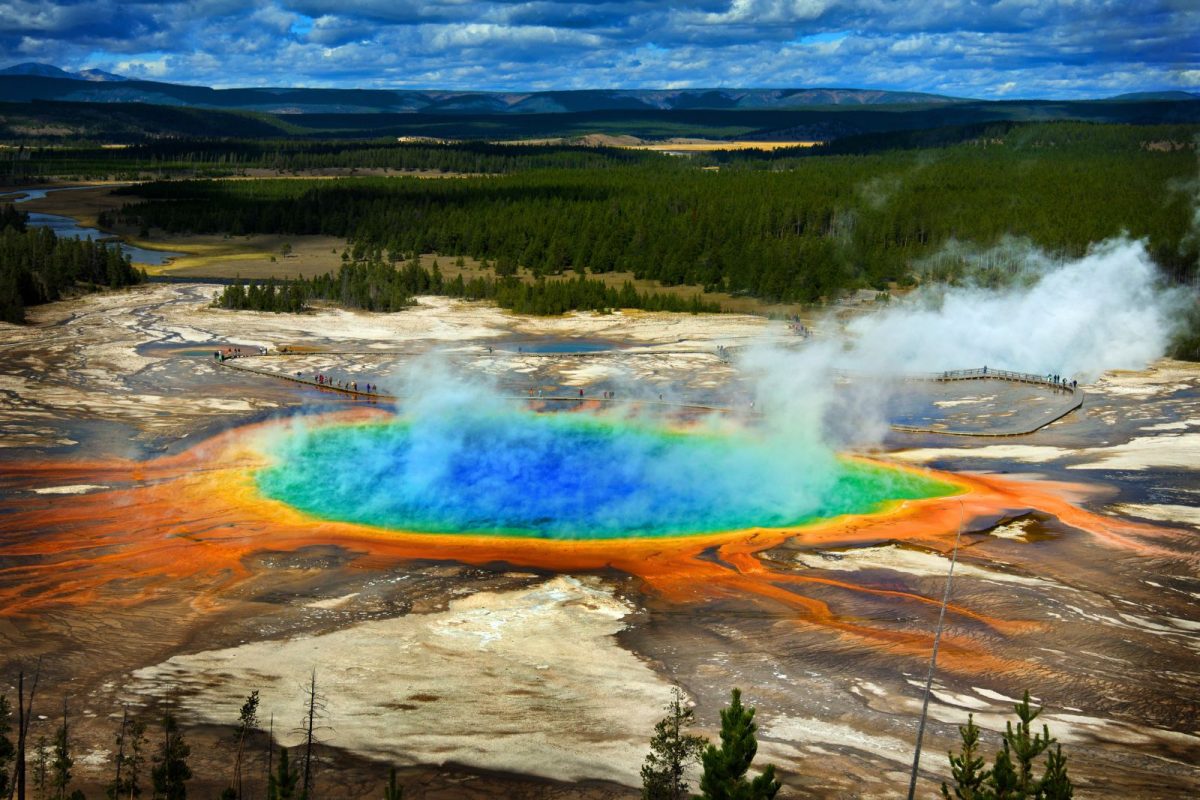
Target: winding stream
[69, 228]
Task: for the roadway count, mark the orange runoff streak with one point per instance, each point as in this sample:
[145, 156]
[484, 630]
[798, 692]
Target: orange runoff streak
[191, 524]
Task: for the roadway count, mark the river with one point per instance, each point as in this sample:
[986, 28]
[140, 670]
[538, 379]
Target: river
[69, 228]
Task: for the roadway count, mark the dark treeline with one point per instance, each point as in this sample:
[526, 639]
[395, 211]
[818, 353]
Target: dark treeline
[37, 267]
[221, 157]
[161, 764]
[804, 233]
[1018, 136]
[35, 119]
[379, 286]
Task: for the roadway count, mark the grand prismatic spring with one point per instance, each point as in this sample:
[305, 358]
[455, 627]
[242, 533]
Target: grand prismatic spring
[569, 477]
[498, 594]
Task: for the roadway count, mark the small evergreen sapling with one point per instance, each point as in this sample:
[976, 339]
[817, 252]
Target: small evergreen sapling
[171, 771]
[725, 767]
[1013, 775]
[282, 785]
[966, 769]
[393, 791]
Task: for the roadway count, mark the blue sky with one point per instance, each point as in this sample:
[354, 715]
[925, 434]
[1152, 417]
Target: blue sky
[1003, 49]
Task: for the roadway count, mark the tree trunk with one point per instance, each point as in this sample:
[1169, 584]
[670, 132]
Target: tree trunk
[121, 749]
[270, 753]
[20, 769]
[312, 704]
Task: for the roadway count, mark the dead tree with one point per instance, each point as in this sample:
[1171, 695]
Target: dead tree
[24, 716]
[314, 712]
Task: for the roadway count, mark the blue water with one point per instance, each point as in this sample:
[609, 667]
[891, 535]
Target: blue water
[567, 477]
[557, 346]
[70, 229]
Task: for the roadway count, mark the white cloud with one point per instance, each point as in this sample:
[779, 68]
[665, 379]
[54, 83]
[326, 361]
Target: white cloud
[485, 34]
[135, 68]
[1057, 48]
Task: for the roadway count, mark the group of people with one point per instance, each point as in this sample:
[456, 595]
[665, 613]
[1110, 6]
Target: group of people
[1061, 382]
[338, 383]
[234, 352]
[227, 353]
[320, 379]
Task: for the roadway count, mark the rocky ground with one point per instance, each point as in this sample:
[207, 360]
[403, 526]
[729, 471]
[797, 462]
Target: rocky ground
[501, 680]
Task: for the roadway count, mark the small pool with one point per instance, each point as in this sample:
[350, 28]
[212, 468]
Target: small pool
[557, 346]
[166, 349]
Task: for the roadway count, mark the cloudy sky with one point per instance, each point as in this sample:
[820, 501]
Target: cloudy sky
[1004, 49]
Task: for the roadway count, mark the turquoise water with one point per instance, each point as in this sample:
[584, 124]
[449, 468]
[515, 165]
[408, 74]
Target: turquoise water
[552, 346]
[567, 477]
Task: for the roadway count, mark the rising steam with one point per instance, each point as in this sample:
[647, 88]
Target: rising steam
[1108, 310]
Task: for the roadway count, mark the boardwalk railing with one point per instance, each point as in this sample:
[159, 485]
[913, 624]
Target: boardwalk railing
[344, 389]
[987, 373]
[1056, 413]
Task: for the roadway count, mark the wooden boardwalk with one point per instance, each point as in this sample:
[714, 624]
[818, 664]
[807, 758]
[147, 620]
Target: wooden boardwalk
[1073, 395]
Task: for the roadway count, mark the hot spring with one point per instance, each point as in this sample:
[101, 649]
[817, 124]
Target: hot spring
[571, 476]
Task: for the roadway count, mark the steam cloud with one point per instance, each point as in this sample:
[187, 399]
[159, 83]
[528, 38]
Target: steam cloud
[1108, 310]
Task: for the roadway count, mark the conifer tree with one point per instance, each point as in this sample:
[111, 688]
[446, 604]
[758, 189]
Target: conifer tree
[282, 784]
[1056, 785]
[966, 769]
[725, 767]
[130, 759]
[393, 791]
[1013, 774]
[672, 751]
[41, 768]
[171, 771]
[247, 723]
[60, 766]
[114, 789]
[1026, 747]
[315, 709]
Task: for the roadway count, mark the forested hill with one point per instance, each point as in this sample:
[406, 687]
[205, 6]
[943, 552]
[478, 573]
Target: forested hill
[44, 121]
[63, 86]
[785, 227]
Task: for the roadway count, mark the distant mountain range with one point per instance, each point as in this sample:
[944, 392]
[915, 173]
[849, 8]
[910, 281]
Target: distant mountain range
[1175, 95]
[42, 103]
[32, 81]
[33, 69]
